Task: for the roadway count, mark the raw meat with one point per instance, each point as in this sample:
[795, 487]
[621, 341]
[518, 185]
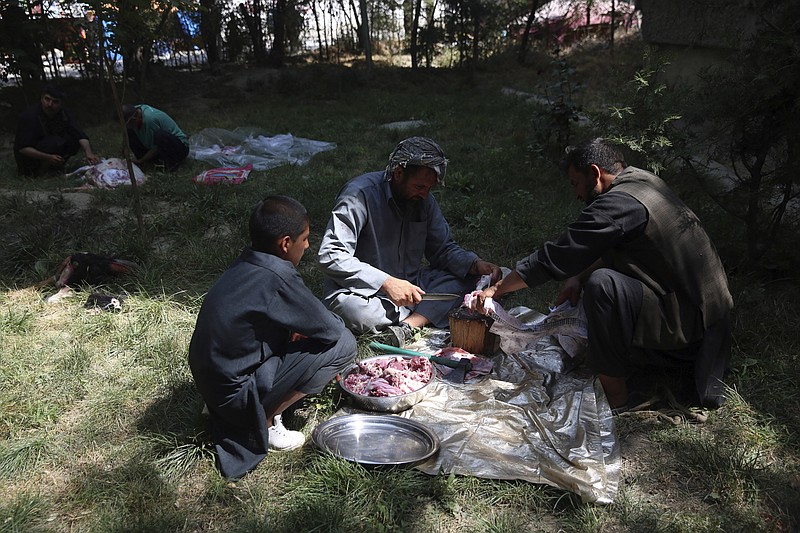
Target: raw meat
[389, 376]
[481, 366]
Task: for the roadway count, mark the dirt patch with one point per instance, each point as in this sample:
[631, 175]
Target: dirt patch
[79, 201]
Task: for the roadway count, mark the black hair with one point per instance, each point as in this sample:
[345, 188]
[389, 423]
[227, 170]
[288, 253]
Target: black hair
[598, 152]
[128, 111]
[55, 91]
[274, 218]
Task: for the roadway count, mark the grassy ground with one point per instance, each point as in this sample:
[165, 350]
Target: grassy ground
[100, 425]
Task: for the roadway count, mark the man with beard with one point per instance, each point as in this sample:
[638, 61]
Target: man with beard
[382, 227]
[47, 136]
[654, 288]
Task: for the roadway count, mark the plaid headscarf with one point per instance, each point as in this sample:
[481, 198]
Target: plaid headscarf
[418, 151]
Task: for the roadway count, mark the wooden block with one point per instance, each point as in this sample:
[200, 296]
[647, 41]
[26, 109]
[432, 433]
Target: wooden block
[469, 331]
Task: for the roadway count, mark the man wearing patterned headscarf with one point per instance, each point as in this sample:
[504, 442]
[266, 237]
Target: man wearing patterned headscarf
[382, 227]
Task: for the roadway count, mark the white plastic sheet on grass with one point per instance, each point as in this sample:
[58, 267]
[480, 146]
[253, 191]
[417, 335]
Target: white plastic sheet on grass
[250, 146]
[538, 417]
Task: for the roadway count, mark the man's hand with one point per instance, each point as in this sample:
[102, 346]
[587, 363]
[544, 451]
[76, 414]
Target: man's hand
[570, 291]
[401, 292]
[483, 268]
[92, 158]
[53, 160]
[512, 282]
[478, 304]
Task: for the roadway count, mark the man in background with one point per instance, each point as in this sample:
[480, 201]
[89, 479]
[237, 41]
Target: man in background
[154, 137]
[47, 136]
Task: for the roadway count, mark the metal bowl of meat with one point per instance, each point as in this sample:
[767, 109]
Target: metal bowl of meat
[376, 439]
[388, 383]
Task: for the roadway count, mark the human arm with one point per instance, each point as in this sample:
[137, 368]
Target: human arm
[87, 150]
[148, 156]
[353, 249]
[485, 268]
[300, 312]
[338, 260]
[33, 153]
[571, 290]
[610, 221]
[402, 292]
[512, 282]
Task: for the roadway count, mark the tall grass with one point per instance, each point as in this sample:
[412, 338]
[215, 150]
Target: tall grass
[100, 424]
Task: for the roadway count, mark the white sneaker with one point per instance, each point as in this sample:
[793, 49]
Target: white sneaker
[282, 439]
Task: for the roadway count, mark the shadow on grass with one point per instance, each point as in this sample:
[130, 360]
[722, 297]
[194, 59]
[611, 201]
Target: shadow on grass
[130, 497]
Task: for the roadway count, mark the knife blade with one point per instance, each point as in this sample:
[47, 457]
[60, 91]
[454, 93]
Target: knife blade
[440, 297]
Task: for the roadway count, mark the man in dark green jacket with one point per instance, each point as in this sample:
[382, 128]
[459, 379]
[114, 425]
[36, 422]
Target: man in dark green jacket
[654, 288]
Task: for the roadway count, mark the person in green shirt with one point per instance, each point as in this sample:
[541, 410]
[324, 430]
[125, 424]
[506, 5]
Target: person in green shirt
[154, 137]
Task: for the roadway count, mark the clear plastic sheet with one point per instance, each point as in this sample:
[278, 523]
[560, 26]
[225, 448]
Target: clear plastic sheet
[249, 146]
[538, 417]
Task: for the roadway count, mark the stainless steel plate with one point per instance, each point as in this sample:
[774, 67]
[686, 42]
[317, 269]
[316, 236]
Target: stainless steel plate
[376, 439]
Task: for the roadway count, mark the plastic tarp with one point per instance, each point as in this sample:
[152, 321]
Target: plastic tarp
[249, 146]
[539, 416]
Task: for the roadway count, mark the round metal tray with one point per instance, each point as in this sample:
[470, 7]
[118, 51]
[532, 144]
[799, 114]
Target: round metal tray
[376, 439]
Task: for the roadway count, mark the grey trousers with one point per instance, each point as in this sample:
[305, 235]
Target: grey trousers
[376, 313]
[308, 369]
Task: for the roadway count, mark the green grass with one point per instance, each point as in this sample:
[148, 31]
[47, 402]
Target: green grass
[100, 425]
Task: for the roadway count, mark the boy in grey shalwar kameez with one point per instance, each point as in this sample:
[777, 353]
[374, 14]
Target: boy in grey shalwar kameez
[263, 341]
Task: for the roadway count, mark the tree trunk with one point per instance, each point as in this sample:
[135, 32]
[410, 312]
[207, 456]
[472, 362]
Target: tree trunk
[429, 34]
[613, 25]
[278, 52]
[476, 32]
[523, 46]
[210, 29]
[126, 151]
[19, 33]
[588, 17]
[147, 50]
[253, 23]
[319, 35]
[414, 33]
[365, 39]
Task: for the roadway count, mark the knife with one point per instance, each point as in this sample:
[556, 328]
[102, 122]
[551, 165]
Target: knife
[464, 364]
[440, 297]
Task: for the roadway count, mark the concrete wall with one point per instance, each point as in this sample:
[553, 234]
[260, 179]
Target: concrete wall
[695, 34]
[700, 23]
